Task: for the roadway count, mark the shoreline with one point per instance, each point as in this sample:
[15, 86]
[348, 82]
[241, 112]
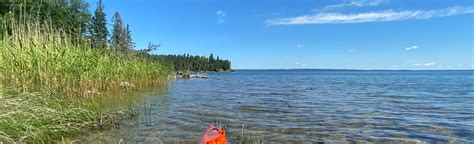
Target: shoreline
[317, 69]
[50, 84]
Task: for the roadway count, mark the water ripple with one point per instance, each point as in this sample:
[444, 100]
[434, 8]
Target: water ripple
[310, 106]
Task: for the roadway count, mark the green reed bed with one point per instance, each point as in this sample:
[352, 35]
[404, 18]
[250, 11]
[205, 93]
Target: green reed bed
[48, 82]
[37, 58]
[35, 118]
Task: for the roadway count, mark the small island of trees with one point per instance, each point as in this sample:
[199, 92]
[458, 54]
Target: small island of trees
[194, 63]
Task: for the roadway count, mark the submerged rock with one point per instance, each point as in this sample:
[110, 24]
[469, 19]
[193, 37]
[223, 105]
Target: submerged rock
[200, 76]
[184, 74]
[126, 85]
[189, 75]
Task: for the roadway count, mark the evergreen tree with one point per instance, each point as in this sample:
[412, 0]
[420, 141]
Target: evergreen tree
[211, 62]
[72, 16]
[193, 63]
[79, 16]
[98, 29]
[118, 41]
[121, 39]
[4, 7]
[129, 41]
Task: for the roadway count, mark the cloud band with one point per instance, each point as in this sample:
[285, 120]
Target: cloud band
[383, 16]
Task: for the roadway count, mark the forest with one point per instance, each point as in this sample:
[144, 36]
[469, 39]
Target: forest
[194, 63]
[74, 18]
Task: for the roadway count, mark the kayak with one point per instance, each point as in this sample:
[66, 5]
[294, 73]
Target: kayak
[213, 135]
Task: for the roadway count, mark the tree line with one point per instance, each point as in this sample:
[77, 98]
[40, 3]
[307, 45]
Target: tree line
[74, 17]
[194, 63]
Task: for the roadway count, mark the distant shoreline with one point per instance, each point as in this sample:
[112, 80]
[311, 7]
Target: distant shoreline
[316, 69]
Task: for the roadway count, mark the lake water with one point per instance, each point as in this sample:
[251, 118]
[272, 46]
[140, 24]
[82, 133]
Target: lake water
[309, 106]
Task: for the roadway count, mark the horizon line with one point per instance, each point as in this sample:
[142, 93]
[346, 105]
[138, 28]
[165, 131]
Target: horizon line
[356, 69]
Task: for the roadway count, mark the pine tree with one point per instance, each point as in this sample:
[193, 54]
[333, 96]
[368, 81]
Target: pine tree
[118, 40]
[99, 32]
[211, 62]
[72, 16]
[79, 15]
[194, 63]
[129, 40]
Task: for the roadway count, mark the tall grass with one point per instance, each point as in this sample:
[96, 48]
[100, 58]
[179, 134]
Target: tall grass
[36, 58]
[33, 118]
[47, 80]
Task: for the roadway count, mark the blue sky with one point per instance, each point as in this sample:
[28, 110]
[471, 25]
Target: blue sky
[284, 34]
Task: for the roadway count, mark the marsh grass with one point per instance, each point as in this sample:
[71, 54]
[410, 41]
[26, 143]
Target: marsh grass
[35, 118]
[242, 136]
[49, 81]
[37, 58]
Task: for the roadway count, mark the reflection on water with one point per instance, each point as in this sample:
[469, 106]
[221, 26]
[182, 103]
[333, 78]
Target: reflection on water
[309, 105]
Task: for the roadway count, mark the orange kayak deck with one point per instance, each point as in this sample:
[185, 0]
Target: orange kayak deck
[213, 136]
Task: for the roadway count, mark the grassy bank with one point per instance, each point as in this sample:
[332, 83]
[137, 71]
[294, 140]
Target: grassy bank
[35, 118]
[49, 82]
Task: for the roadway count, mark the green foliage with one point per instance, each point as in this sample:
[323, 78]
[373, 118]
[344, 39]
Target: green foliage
[98, 27]
[73, 17]
[34, 118]
[54, 65]
[194, 63]
[147, 51]
[128, 38]
[121, 35]
[37, 58]
[70, 15]
[54, 76]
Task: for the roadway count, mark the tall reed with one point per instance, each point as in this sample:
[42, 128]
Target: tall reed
[37, 58]
[48, 80]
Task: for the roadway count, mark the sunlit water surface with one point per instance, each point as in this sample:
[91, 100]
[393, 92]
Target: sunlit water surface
[308, 106]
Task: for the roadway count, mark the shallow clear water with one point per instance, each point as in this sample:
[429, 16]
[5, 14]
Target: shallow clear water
[310, 105]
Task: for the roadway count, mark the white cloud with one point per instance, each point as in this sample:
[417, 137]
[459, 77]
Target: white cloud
[425, 64]
[354, 3]
[300, 64]
[381, 16]
[416, 61]
[220, 13]
[411, 47]
[220, 16]
[300, 46]
[351, 50]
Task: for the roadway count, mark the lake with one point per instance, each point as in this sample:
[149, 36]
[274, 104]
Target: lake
[308, 106]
